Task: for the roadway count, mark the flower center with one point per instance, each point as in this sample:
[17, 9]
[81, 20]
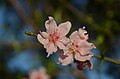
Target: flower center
[53, 37]
[74, 48]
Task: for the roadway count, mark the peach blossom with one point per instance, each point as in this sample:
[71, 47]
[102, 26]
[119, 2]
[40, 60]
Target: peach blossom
[78, 48]
[41, 74]
[54, 37]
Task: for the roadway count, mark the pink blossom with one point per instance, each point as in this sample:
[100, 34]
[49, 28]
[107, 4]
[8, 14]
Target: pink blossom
[78, 48]
[41, 74]
[54, 37]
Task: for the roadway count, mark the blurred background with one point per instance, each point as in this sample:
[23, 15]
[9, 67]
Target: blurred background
[19, 53]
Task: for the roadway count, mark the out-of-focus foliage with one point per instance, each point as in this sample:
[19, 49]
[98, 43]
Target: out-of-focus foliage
[20, 53]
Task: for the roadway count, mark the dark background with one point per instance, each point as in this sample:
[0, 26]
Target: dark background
[20, 53]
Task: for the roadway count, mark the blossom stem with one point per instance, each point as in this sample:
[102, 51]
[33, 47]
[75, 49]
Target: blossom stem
[30, 34]
[95, 55]
[115, 61]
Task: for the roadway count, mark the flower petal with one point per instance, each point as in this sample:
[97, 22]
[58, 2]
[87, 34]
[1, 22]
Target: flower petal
[60, 45]
[50, 48]
[73, 35]
[81, 64]
[75, 38]
[90, 65]
[64, 28]
[50, 25]
[61, 54]
[85, 47]
[64, 40]
[41, 39]
[83, 34]
[67, 60]
[78, 57]
[66, 51]
[44, 34]
[33, 75]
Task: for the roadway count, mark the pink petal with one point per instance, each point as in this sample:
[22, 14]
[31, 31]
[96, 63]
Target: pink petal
[67, 60]
[73, 35]
[43, 74]
[44, 34]
[83, 34]
[64, 28]
[50, 25]
[50, 48]
[66, 51]
[78, 57]
[64, 40]
[39, 75]
[60, 45]
[41, 39]
[85, 47]
[33, 75]
[75, 38]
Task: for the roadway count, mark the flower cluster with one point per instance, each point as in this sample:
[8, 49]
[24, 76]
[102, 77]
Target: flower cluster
[75, 49]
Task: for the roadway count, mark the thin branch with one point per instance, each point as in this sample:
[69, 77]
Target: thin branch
[108, 59]
[95, 55]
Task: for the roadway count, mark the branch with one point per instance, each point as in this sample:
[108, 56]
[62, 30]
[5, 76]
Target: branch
[108, 59]
[95, 55]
